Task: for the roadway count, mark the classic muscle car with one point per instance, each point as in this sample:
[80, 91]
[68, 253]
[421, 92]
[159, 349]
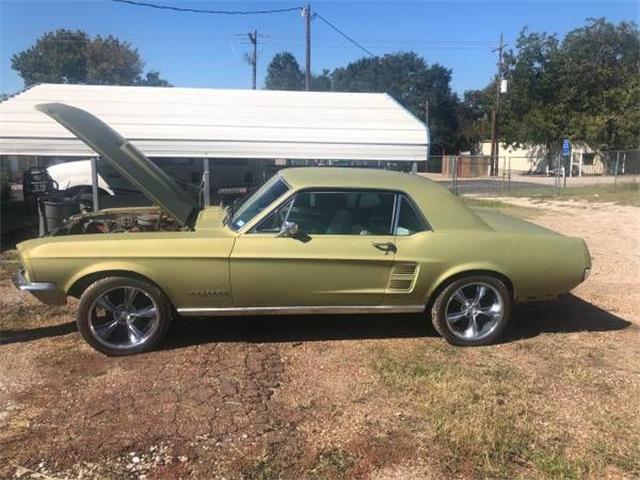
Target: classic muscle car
[310, 240]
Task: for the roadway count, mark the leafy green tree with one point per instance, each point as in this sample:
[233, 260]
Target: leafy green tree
[152, 79]
[585, 88]
[71, 56]
[112, 62]
[530, 112]
[599, 68]
[322, 82]
[283, 73]
[56, 57]
[407, 77]
[474, 117]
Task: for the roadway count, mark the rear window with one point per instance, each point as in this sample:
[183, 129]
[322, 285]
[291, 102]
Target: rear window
[409, 220]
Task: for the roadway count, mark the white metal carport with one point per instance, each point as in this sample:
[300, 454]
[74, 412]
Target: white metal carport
[194, 122]
[223, 124]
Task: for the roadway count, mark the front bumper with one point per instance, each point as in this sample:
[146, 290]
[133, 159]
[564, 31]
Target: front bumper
[46, 292]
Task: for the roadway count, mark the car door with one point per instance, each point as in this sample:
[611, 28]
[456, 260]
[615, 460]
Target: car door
[341, 256]
[418, 259]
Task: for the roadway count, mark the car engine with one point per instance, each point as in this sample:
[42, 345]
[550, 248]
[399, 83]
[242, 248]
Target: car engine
[120, 222]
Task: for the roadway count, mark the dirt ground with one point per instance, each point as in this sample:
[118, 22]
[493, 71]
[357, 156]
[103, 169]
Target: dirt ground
[378, 397]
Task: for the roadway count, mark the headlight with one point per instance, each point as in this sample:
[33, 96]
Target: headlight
[585, 275]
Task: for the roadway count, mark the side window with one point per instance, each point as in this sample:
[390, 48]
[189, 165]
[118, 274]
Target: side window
[343, 213]
[409, 221]
[272, 223]
[335, 213]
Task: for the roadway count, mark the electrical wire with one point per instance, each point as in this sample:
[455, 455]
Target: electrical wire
[340, 32]
[213, 12]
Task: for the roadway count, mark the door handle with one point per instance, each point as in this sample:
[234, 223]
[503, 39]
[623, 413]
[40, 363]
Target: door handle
[386, 247]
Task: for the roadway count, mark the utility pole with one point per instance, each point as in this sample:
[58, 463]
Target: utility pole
[253, 60]
[306, 13]
[495, 142]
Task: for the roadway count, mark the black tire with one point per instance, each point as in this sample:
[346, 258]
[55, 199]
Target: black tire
[87, 315]
[449, 330]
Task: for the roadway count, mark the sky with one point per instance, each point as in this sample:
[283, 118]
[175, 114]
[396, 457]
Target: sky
[198, 50]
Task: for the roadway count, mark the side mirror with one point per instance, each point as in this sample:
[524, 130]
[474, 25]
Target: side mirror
[288, 229]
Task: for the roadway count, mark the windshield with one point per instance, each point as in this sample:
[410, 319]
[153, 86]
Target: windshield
[267, 194]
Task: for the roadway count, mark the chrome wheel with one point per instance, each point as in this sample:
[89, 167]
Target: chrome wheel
[123, 317]
[474, 311]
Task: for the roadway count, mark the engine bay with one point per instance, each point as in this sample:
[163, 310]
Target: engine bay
[141, 220]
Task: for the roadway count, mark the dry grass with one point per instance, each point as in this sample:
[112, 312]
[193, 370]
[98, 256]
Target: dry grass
[504, 207]
[561, 414]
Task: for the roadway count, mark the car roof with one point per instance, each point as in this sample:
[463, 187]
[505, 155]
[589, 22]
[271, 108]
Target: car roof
[442, 209]
[341, 177]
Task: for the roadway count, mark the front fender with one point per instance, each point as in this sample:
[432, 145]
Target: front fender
[112, 266]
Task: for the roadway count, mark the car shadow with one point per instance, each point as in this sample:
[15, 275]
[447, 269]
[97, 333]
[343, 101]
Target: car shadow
[568, 314]
[565, 315]
[28, 335]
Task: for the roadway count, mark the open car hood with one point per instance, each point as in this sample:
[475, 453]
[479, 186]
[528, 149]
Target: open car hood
[130, 162]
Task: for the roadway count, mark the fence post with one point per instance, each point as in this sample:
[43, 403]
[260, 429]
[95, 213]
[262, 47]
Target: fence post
[503, 175]
[509, 178]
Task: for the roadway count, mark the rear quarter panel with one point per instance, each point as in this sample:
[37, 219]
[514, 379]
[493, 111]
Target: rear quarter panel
[538, 265]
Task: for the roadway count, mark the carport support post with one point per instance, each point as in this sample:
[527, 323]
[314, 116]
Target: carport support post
[95, 193]
[206, 182]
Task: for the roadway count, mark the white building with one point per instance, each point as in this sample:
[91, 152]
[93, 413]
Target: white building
[531, 159]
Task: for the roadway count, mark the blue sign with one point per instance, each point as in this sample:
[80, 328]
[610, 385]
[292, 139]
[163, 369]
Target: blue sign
[566, 147]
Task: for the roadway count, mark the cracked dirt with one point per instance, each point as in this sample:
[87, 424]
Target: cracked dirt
[338, 397]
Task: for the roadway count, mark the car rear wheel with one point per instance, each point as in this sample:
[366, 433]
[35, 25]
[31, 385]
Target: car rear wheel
[472, 310]
[122, 316]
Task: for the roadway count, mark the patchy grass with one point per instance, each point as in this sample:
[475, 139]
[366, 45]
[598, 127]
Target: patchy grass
[621, 194]
[334, 463]
[504, 207]
[484, 417]
[262, 470]
[627, 193]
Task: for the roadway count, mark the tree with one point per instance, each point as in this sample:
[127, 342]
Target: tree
[152, 79]
[322, 82]
[71, 56]
[599, 85]
[112, 62]
[474, 117]
[56, 57]
[283, 73]
[407, 77]
[530, 112]
[585, 87]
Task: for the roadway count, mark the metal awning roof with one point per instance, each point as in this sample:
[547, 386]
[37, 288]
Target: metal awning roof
[195, 122]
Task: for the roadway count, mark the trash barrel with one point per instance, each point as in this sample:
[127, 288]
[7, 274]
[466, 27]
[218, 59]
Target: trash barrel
[54, 212]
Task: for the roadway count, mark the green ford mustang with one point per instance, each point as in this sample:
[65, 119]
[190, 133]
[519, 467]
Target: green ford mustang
[310, 240]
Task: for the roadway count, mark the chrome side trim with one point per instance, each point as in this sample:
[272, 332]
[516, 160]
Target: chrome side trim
[21, 283]
[301, 310]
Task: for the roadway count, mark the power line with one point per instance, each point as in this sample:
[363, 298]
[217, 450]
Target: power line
[369, 52]
[213, 12]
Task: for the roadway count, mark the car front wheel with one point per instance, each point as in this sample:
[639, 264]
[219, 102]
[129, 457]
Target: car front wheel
[472, 310]
[122, 316]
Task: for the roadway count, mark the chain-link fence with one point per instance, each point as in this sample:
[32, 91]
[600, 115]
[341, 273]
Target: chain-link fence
[532, 176]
